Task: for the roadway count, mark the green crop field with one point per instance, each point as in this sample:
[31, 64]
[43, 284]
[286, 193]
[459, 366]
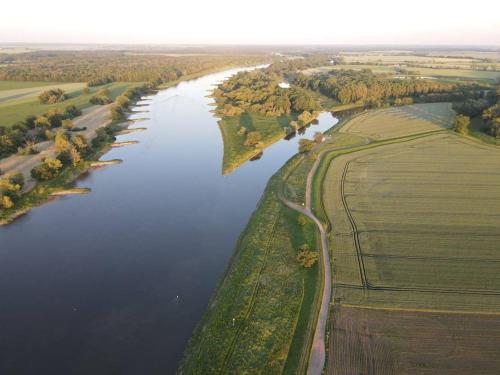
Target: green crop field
[235, 152]
[417, 225]
[402, 121]
[17, 104]
[414, 246]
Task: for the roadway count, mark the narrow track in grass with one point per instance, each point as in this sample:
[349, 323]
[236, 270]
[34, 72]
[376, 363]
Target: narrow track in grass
[252, 299]
[357, 245]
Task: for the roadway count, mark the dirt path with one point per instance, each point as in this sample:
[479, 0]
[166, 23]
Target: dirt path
[317, 355]
[92, 118]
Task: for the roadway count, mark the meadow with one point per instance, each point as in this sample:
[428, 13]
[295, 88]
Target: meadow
[236, 152]
[270, 296]
[17, 100]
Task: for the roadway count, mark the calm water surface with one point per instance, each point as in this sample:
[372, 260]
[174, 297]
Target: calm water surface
[89, 284]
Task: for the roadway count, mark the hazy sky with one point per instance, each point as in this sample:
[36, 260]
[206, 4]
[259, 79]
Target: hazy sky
[252, 21]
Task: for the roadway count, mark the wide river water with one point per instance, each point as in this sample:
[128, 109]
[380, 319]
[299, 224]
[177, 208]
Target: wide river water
[113, 282]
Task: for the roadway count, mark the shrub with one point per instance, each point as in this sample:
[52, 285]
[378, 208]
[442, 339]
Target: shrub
[305, 145]
[50, 168]
[52, 96]
[307, 258]
[461, 124]
[252, 138]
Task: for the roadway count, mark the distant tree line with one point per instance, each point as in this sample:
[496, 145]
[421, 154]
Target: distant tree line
[100, 67]
[365, 87]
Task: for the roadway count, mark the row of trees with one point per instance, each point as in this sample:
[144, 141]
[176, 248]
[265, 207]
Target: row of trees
[365, 87]
[98, 67]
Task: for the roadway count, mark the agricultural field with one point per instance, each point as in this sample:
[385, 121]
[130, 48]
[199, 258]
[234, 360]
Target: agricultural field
[414, 246]
[270, 296]
[235, 152]
[444, 73]
[382, 57]
[18, 101]
[368, 341]
[416, 225]
[401, 121]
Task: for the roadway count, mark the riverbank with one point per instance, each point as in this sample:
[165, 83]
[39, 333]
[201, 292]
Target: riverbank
[265, 290]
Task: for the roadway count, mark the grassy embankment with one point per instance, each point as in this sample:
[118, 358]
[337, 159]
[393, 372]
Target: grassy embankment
[268, 293]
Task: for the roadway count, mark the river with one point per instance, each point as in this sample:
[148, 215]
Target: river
[113, 282]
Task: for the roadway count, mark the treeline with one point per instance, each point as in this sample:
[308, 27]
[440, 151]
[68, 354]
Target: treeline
[98, 67]
[365, 87]
[34, 129]
[259, 91]
[292, 65]
[485, 104]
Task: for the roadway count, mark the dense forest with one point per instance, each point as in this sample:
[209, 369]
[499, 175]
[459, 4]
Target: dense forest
[260, 92]
[96, 67]
[365, 87]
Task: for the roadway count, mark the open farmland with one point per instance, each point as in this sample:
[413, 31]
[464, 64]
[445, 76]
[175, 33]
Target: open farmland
[420, 71]
[401, 121]
[417, 225]
[367, 341]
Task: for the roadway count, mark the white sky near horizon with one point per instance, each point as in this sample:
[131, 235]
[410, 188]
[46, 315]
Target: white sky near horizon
[251, 22]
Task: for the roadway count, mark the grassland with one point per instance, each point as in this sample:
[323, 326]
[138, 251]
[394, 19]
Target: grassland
[401, 121]
[271, 297]
[235, 152]
[18, 103]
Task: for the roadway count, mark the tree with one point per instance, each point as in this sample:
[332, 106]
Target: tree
[252, 138]
[6, 202]
[318, 137]
[307, 258]
[50, 168]
[461, 124]
[71, 112]
[67, 124]
[305, 145]
[62, 143]
[42, 122]
[52, 96]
